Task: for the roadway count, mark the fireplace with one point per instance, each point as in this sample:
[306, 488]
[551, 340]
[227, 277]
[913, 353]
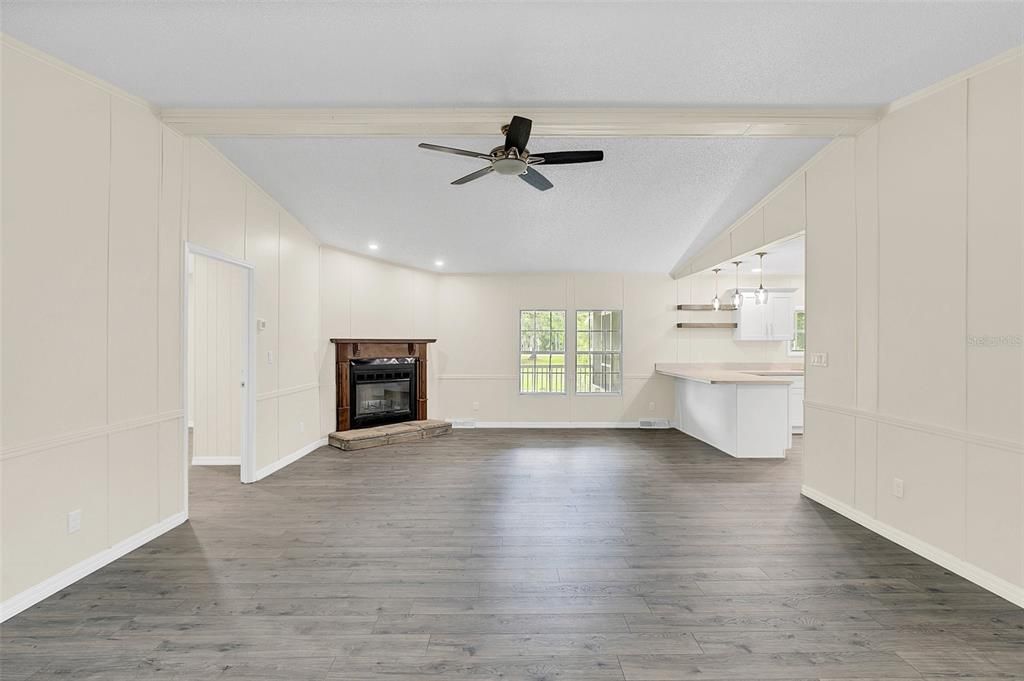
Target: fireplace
[380, 381]
[382, 391]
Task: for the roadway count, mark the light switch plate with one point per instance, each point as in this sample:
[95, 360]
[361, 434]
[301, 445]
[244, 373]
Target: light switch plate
[74, 521]
[819, 359]
[897, 488]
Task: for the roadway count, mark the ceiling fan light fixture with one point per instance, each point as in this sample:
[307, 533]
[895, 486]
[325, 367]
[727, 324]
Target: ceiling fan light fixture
[509, 166]
[513, 157]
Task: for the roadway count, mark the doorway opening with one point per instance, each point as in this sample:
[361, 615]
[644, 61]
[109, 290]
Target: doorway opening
[218, 348]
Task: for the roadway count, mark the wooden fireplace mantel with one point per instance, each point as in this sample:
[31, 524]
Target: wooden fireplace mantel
[347, 349]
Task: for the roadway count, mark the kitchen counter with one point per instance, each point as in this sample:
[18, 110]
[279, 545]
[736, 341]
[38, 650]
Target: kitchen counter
[742, 409]
[735, 373]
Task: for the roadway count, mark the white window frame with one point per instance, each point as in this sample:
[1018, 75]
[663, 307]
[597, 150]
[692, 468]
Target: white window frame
[564, 353]
[789, 346]
[620, 352]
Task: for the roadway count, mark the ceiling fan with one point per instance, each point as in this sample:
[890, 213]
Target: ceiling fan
[513, 158]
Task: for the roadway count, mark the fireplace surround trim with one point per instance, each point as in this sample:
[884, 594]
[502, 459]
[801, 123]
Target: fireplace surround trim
[348, 349]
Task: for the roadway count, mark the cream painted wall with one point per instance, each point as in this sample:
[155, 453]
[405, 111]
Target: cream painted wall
[98, 198]
[91, 290]
[482, 311]
[366, 298]
[234, 216]
[915, 243]
[218, 295]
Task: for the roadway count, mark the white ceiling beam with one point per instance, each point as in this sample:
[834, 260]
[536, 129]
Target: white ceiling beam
[548, 122]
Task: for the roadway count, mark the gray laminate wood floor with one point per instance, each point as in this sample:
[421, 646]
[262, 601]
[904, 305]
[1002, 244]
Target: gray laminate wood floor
[521, 556]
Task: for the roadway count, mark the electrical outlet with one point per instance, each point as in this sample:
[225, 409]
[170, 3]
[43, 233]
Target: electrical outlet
[476, 406]
[302, 426]
[270, 356]
[650, 406]
[897, 488]
[74, 521]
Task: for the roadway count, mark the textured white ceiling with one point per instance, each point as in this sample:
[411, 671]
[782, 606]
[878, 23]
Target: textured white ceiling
[636, 211]
[648, 204]
[450, 53]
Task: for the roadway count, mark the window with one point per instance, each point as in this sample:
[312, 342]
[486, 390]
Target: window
[796, 346]
[542, 351]
[599, 351]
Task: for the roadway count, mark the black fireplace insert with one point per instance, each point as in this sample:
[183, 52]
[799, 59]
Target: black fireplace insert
[382, 391]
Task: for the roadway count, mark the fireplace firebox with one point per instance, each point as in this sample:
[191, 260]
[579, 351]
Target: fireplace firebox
[383, 390]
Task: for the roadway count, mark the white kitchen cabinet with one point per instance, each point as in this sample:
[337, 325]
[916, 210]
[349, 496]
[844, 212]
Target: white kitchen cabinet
[772, 321]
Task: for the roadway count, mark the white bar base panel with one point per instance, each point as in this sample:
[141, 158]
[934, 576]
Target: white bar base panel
[290, 459]
[972, 573]
[29, 597]
[744, 421]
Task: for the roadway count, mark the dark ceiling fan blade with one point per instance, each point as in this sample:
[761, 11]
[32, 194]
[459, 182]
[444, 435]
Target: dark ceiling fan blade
[473, 176]
[518, 134]
[553, 158]
[535, 179]
[453, 150]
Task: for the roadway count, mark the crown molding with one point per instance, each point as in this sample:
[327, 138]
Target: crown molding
[50, 60]
[966, 74]
[548, 122]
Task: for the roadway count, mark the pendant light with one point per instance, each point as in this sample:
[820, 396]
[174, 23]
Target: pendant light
[761, 294]
[716, 303]
[737, 297]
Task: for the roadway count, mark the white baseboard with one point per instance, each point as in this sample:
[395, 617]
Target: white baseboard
[29, 597]
[216, 461]
[290, 459]
[970, 572]
[470, 423]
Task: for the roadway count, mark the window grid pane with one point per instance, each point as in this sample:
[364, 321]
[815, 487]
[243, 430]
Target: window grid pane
[599, 351]
[542, 351]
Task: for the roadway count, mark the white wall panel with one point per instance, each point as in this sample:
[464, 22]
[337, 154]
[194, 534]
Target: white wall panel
[866, 465]
[133, 471]
[172, 472]
[216, 200]
[866, 190]
[830, 462]
[932, 470]
[785, 214]
[299, 420]
[831, 298]
[995, 510]
[922, 193]
[134, 262]
[35, 507]
[747, 235]
[170, 274]
[268, 447]
[262, 248]
[56, 131]
[995, 248]
[299, 310]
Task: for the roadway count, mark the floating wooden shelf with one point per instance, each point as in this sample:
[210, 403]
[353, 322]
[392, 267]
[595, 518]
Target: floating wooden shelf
[706, 325]
[705, 308]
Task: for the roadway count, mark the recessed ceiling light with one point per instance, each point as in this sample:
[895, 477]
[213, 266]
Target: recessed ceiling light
[374, 245]
[439, 263]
